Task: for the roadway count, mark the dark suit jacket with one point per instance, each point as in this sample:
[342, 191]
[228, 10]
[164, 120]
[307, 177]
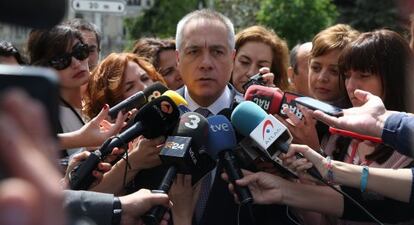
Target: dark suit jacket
[221, 207]
[90, 207]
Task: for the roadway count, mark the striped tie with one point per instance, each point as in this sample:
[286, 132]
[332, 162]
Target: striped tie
[205, 182]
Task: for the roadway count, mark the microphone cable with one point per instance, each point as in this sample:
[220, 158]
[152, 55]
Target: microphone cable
[352, 200]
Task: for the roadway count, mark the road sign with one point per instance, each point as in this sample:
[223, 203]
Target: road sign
[99, 6]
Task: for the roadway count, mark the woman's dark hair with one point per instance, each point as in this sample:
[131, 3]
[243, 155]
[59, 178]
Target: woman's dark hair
[7, 49]
[386, 54]
[44, 44]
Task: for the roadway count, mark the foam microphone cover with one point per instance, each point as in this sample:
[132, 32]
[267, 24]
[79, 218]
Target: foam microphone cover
[269, 99]
[221, 145]
[221, 135]
[154, 91]
[158, 117]
[30, 13]
[178, 99]
[205, 162]
[193, 125]
[246, 117]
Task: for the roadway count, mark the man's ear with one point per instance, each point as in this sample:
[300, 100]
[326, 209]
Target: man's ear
[290, 74]
[177, 57]
[234, 54]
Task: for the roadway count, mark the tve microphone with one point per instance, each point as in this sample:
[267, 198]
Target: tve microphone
[138, 99]
[221, 142]
[182, 153]
[272, 100]
[270, 135]
[156, 118]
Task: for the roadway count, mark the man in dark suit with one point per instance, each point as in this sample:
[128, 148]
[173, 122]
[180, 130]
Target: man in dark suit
[205, 52]
[205, 55]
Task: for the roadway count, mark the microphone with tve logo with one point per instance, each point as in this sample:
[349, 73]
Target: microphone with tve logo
[269, 134]
[184, 153]
[221, 144]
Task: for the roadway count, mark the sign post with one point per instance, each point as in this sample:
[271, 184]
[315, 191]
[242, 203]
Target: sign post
[101, 6]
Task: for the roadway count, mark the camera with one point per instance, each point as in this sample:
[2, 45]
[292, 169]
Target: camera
[255, 79]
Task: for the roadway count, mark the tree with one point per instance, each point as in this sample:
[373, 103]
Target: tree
[369, 15]
[160, 20]
[241, 12]
[297, 20]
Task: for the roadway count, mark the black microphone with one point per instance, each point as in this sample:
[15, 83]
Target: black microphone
[268, 133]
[221, 142]
[183, 152]
[138, 99]
[36, 14]
[157, 118]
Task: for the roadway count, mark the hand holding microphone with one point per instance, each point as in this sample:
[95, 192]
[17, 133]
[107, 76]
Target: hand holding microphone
[184, 153]
[269, 134]
[156, 118]
[138, 100]
[222, 141]
[273, 100]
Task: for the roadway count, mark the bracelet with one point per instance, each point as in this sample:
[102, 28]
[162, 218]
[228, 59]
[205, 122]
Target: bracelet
[364, 178]
[330, 174]
[117, 212]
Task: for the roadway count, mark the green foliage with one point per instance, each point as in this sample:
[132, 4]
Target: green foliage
[160, 20]
[241, 12]
[369, 15]
[297, 20]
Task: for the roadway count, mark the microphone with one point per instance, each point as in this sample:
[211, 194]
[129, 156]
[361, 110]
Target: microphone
[221, 142]
[272, 100]
[156, 118]
[31, 13]
[138, 99]
[269, 134]
[183, 152]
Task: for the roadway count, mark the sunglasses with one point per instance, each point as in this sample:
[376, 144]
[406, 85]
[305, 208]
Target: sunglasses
[80, 51]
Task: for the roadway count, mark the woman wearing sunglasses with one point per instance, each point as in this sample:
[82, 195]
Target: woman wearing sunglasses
[62, 49]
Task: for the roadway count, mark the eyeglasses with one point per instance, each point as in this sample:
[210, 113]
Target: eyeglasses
[80, 51]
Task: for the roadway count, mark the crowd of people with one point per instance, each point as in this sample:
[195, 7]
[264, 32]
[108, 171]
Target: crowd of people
[208, 64]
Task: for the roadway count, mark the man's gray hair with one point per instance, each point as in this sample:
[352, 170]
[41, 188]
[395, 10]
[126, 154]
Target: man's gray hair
[293, 58]
[206, 14]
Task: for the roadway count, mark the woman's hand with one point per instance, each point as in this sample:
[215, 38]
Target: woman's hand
[265, 188]
[97, 173]
[268, 77]
[303, 130]
[145, 153]
[184, 197]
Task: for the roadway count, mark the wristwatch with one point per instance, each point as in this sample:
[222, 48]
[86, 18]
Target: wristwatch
[117, 212]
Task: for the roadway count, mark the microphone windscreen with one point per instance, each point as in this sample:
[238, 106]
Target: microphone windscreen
[154, 91]
[193, 125]
[158, 117]
[246, 116]
[269, 99]
[221, 135]
[178, 100]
